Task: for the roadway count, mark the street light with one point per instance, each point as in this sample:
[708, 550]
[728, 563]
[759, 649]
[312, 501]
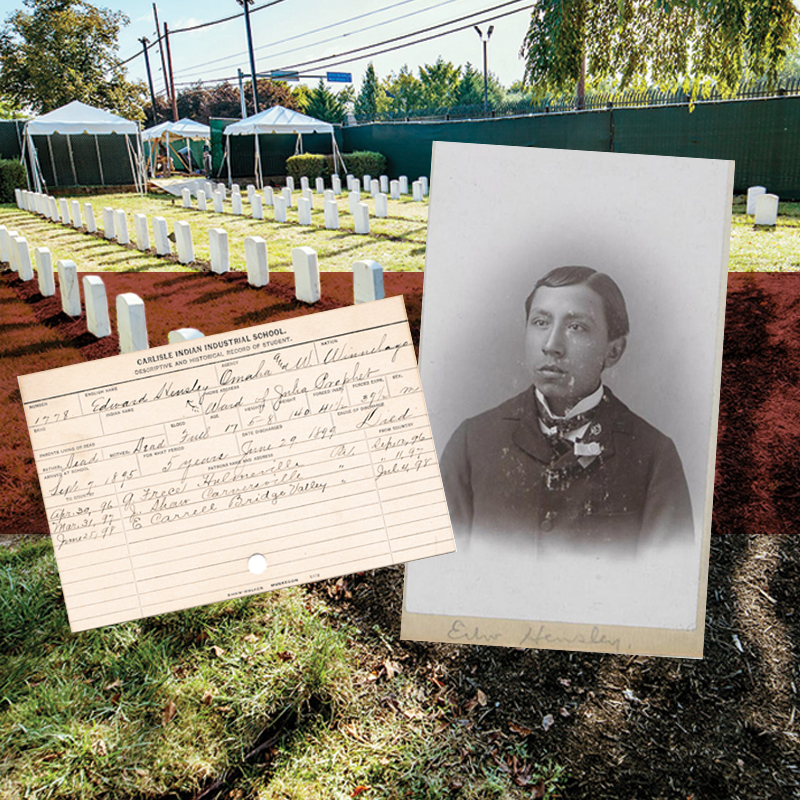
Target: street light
[485, 40]
[246, 5]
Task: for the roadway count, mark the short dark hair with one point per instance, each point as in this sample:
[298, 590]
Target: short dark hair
[611, 295]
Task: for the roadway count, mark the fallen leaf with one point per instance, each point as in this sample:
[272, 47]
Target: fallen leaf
[548, 721]
[391, 669]
[114, 685]
[100, 748]
[358, 790]
[218, 651]
[286, 655]
[251, 637]
[169, 712]
[538, 791]
[482, 699]
[455, 785]
[207, 697]
[522, 731]
[564, 713]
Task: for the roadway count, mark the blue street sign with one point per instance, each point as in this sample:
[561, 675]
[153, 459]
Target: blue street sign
[340, 77]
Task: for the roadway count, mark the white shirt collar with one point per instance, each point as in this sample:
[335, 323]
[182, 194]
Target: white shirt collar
[584, 405]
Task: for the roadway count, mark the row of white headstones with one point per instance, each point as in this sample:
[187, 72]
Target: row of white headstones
[762, 206]
[284, 200]
[131, 323]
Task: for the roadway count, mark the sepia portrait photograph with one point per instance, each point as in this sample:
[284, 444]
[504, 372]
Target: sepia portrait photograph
[570, 357]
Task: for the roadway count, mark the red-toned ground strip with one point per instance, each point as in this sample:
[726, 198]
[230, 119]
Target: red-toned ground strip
[756, 489]
[36, 335]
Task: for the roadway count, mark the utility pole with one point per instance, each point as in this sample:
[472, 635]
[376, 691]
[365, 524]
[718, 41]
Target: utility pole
[246, 5]
[241, 93]
[143, 40]
[161, 50]
[171, 78]
[485, 40]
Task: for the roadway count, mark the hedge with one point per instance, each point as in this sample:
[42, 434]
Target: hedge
[312, 166]
[12, 176]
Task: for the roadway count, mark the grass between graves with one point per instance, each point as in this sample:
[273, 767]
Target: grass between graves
[396, 242]
[765, 249]
[273, 696]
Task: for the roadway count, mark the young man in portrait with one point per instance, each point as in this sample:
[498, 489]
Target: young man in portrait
[565, 464]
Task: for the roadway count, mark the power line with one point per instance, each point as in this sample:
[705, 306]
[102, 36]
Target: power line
[319, 66]
[198, 67]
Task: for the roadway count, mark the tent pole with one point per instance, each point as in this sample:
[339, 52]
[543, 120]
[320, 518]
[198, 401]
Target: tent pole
[134, 174]
[72, 160]
[27, 171]
[169, 157]
[35, 166]
[99, 161]
[259, 178]
[52, 159]
[142, 168]
[228, 156]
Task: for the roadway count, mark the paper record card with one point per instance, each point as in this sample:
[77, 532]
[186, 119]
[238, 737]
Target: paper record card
[236, 463]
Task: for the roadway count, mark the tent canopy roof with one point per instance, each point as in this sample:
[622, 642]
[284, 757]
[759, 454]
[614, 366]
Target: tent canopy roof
[76, 118]
[278, 120]
[182, 129]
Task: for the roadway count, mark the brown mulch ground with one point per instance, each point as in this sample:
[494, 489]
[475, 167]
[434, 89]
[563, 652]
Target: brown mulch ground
[625, 727]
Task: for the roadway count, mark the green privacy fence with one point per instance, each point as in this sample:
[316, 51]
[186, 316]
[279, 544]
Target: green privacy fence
[761, 135]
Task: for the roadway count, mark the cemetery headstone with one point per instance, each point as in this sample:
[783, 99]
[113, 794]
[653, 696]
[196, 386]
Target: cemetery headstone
[403, 181]
[416, 188]
[304, 183]
[286, 193]
[329, 196]
[219, 198]
[303, 210]
[367, 182]
[279, 203]
[63, 208]
[257, 206]
[183, 335]
[10, 256]
[394, 189]
[183, 242]
[142, 231]
[255, 256]
[336, 184]
[218, 244]
[251, 193]
[88, 217]
[424, 181]
[24, 266]
[75, 214]
[70, 290]
[223, 190]
[361, 218]
[186, 194]
[367, 281]
[331, 215]
[319, 185]
[121, 226]
[236, 189]
[381, 205]
[290, 183]
[4, 257]
[94, 292]
[18, 196]
[384, 183]
[309, 195]
[108, 222]
[201, 200]
[374, 187]
[268, 194]
[161, 236]
[236, 202]
[766, 210]
[753, 193]
[306, 274]
[131, 323]
[44, 272]
[353, 199]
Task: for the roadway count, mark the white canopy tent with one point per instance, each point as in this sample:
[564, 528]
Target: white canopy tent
[279, 120]
[78, 118]
[182, 129]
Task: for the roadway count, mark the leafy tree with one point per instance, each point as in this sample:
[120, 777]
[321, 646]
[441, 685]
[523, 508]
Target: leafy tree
[656, 41]
[326, 105]
[440, 83]
[404, 92]
[57, 51]
[369, 97]
[470, 88]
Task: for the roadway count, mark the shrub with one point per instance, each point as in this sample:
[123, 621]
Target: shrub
[310, 165]
[12, 176]
[365, 162]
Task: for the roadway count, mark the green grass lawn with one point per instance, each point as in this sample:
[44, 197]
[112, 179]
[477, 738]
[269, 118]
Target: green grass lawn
[396, 242]
[274, 693]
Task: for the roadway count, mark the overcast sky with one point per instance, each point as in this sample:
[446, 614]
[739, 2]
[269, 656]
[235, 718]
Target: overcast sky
[294, 31]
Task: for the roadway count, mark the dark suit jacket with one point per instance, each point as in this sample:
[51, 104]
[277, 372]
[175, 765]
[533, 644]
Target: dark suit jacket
[503, 479]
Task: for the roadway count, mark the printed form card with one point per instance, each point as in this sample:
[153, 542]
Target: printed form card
[237, 463]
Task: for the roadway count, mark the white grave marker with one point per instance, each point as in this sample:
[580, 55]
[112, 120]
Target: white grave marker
[4, 257]
[384, 183]
[236, 189]
[183, 335]
[279, 203]
[236, 202]
[44, 272]
[201, 200]
[367, 182]
[286, 193]
[161, 236]
[374, 187]
[336, 184]
[331, 215]
[255, 255]
[219, 198]
[424, 181]
[319, 185]
[131, 322]
[753, 193]
[108, 222]
[403, 181]
[24, 266]
[75, 214]
[18, 196]
[218, 244]
[186, 194]
[361, 218]
[94, 293]
[353, 199]
[416, 188]
[381, 205]
[304, 184]
[268, 194]
[183, 242]
[766, 209]
[303, 210]
[223, 190]
[290, 183]
[394, 189]
[257, 206]
[251, 193]
[70, 290]
[63, 208]
[142, 231]
[121, 226]
[367, 281]
[306, 274]
[8, 237]
[88, 216]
